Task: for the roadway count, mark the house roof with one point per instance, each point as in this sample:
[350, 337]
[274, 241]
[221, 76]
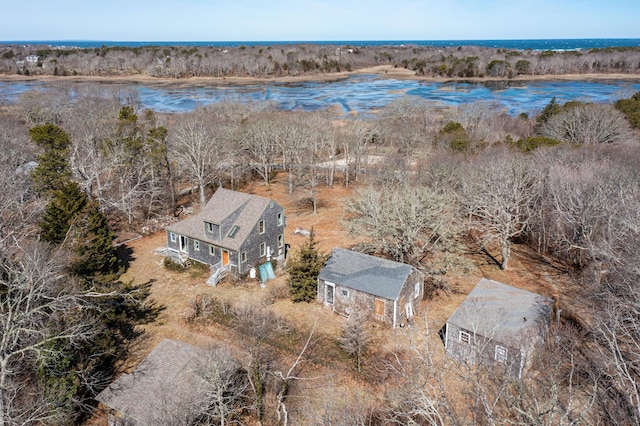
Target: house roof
[379, 277]
[223, 204]
[164, 380]
[501, 312]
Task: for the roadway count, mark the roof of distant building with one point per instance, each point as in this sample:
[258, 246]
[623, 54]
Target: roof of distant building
[502, 312]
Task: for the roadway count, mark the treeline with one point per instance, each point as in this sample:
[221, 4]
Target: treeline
[311, 59]
[432, 184]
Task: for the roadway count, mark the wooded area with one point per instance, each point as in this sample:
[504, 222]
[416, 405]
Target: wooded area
[311, 59]
[434, 187]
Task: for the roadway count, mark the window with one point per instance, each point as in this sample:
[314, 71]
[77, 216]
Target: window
[196, 245]
[501, 353]
[280, 219]
[234, 231]
[378, 309]
[209, 227]
[465, 337]
[345, 292]
[261, 227]
[263, 249]
[243, 257]
[280, 240]
[212, 251]
[173, 237]
[416, 291]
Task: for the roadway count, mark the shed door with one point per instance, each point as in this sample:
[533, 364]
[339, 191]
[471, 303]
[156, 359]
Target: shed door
[379, 307]
[329, 291]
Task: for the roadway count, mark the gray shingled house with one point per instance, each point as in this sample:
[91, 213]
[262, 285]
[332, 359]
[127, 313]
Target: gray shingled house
[498, 323]
[164, 386]
[233, 233]
[389, 290]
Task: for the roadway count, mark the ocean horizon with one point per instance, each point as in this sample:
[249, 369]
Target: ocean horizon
[521, 44]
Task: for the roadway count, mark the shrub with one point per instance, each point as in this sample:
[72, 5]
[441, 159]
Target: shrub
[172, 265]
[533, 142]
[631, 109]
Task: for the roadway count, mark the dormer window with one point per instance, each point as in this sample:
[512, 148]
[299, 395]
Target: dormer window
[234, 231]
[209, 227]
[280, 219]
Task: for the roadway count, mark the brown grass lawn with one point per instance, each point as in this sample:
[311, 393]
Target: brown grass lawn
[175, 290]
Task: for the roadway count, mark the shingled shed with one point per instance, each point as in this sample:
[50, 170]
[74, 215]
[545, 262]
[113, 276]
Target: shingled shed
[498, 323]
[164, 385]
[389, 290]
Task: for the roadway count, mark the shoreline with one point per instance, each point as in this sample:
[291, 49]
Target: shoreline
[383, 71]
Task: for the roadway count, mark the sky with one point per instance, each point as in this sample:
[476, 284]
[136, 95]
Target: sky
[310, 20]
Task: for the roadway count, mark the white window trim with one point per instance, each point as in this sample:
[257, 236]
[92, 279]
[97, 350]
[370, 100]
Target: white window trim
[281, 240]
[196, 245]
[501, 354]
[209, 227]
[243, 257]
[173, 237]
[263, 249]
[464, 337]
[416, 291]
[261, 227]
[280, 219]
[212, 250]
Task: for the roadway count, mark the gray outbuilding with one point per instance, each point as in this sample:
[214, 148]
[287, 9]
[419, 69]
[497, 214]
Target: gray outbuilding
[389, 290]
[498, 323]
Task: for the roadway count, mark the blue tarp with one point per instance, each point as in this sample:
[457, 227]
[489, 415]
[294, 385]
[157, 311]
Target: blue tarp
[266, 272]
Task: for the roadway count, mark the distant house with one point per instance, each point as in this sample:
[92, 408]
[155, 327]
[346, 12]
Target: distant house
[164, 386]
[389, 290]
[233, 233]
[498, 323]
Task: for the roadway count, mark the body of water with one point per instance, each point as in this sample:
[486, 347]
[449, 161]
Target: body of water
[362, 93]
[534, 44]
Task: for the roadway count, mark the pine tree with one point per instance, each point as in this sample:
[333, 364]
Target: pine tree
[66, 203]
[53, 170]
[304, 269]
[94, 257]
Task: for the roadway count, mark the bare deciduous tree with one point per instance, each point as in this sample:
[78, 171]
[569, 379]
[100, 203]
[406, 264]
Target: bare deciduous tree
[355, 336]
[35, 299]
[404, 222]
[225, 391]
[588, 124]
[497, 195]
[198, 152]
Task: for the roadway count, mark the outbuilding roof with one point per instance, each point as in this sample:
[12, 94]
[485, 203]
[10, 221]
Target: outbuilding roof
[165, 380]
[501, 312]
[369, 274]
[223, 205]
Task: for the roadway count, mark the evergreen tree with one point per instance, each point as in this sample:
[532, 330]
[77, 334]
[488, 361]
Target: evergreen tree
[304, 269]
[94, 258]
[66, 203]
[53, 170]
[547, 112]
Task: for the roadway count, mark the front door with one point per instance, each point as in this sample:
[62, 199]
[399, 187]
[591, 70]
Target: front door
[183, 243]
[225, 257]
[329, 290]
